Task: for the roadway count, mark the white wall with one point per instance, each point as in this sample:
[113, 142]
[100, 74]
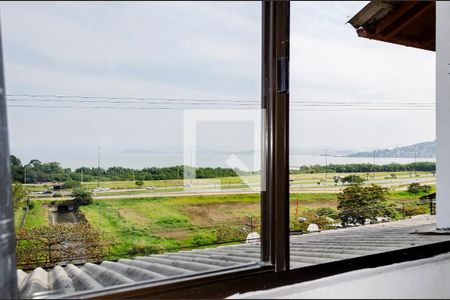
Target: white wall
[425, 279]
[443, 114]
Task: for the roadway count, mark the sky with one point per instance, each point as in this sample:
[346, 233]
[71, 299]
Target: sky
[152, 61]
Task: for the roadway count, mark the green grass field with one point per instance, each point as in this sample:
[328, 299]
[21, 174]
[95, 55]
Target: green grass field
[36, 217]
[171, 183]
[145, 225]
[137, 225]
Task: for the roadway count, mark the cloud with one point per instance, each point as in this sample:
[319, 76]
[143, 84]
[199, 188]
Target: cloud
[203, 50]
[162, 42]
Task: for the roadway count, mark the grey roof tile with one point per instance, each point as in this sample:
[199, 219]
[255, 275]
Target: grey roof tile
[131, 272]
[306, 250]
[21, 276]
[163, 270]
[59, 280]
[105, 276]
[81, 280]
[192, 266]
[36, 281]
[222, 262]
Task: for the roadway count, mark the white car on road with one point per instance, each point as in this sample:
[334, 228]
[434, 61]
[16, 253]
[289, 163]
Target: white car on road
[102, 189]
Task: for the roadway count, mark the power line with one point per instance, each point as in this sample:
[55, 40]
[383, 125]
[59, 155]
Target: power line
[160, 103]
[95, 107]
[305, 104]
[180, 108]
[200, 100]
[125, 98]
[126, 102]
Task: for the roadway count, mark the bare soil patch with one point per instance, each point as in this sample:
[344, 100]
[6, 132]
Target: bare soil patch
[132, 215]
[178, 234]
[220, 213]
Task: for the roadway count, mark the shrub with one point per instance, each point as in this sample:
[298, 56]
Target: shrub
[311, 218]
[57, 195]
[413, 209]
[142, 247]
[46, 246]
[426, 188]
[227, 233]
[416, 188]
[204, 238]
[31, 205]
[71, 184]
[358, 203]
[390, 209]
[352, 179]
[82, 197]
[18, 194]
[327, 212]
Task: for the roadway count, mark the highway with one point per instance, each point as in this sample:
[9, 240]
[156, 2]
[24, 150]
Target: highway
[235, 189]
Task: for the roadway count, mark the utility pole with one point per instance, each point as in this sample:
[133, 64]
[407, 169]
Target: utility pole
[100, 219]
[326, 165]
[133, 174]
[415, 163]
[191, 167]
[25, 175]
[374, 163]
[81, 176]
[98, 169]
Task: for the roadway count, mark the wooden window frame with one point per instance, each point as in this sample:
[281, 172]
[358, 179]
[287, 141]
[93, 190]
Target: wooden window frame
[275, 167]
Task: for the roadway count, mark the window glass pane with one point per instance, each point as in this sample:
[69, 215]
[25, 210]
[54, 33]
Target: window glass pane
[136, 131]
[352, 99]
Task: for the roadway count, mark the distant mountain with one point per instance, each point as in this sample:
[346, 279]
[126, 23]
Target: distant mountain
[321, 151]
[422, 150]
[181, 150]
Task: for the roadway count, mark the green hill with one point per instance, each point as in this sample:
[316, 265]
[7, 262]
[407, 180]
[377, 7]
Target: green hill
[421, 150]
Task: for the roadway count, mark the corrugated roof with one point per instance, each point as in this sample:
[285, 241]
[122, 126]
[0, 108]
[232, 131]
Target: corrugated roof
[306, 250]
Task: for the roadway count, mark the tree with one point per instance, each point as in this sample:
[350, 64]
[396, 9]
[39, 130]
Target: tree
[139, 183]
[336, 179]
[19, 194]
[426, 188]
[352, 179]
[416, 188]
[17, 170]
[71, 184]
[358, 203]
[82, 196]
